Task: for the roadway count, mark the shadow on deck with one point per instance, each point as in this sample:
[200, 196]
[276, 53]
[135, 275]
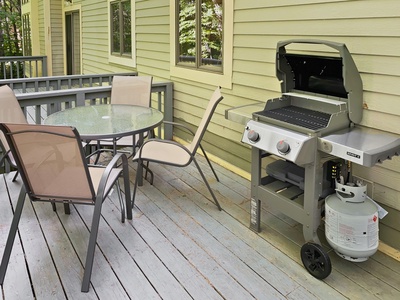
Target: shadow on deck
[178, 246]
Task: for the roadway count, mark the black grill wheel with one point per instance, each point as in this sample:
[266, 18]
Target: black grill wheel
[316, 260]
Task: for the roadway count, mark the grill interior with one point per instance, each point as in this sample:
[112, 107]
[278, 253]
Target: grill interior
[306, 118]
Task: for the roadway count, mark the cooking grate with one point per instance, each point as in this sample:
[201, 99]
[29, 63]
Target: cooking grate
[307, 118]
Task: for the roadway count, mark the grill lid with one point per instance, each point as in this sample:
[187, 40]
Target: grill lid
[328, 76]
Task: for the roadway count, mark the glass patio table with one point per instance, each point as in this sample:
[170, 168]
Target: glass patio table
[108, 121]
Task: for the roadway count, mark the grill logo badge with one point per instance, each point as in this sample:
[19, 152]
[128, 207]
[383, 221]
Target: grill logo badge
[353, 154]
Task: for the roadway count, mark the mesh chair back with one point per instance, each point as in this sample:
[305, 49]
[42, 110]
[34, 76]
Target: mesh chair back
[51, 162]
[133, 90]
[10, 111]
[212, 105]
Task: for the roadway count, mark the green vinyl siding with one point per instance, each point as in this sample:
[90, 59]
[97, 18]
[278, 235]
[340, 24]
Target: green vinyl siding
[57, 43]
[42, 30]
[152, 38]
[95, 37]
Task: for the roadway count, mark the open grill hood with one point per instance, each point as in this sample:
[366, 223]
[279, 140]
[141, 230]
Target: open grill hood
[320, 93]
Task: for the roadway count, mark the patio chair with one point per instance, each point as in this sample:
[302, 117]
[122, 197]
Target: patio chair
[130, 90]
[53, 169]
[174, 154]
[10, 112]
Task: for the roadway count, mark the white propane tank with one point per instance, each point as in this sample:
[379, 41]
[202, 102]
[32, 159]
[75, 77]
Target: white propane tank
[352, 223]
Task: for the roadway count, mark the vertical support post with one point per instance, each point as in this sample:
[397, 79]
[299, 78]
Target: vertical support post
[312, 191]
[168, 110]
[255, 203]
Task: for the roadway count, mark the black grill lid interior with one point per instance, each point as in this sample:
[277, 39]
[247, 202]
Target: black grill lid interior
[321, 75]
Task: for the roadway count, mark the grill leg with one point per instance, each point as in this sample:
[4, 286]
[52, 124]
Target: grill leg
[312, 189]
[255, 205]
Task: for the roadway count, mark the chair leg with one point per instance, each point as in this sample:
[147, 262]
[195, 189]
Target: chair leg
[206, 182]
[136, 184]
[15, 176]
[146, 167]
[125, 173]
[67, 209]
[139, 178]
[92, 246]
[209, 162]
[121, 203]
[11, 234]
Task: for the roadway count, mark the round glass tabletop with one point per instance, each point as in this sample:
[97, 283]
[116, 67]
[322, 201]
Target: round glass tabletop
[107, 120]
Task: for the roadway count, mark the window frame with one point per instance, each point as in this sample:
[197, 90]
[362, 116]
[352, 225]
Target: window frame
[198, 59]
[122, 59]
[204, 75]
[27, 34]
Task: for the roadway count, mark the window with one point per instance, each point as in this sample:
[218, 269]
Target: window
[121, 32]
[201, 45]
[121, 28]
[26, 31]
[200, 27]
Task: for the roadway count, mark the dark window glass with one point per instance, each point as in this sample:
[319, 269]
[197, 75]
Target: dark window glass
[121, 44]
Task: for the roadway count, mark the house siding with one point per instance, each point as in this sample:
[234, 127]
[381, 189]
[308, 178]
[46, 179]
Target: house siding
[57, 43]
[369, 28]
[95, 38]
[42, 30]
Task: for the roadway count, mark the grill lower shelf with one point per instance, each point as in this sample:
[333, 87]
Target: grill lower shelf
[303, 117]
[285, 189]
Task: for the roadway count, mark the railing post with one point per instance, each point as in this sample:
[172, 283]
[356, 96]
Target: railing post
[80, 99]
[44, 66]
[168, 110]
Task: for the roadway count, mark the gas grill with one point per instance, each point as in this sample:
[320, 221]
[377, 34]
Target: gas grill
[312, 131]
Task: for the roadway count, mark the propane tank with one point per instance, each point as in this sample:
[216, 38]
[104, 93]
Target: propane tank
[352, 222]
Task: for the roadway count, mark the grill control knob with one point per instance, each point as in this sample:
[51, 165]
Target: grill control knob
[253, 136]
[283, 147]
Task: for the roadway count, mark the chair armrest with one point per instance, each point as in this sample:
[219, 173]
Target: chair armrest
[179, 125]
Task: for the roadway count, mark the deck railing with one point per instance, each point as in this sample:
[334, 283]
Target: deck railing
[41, 84]
[22, 66]
[39, 97]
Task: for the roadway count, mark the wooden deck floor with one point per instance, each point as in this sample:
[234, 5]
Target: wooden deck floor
[178, 246]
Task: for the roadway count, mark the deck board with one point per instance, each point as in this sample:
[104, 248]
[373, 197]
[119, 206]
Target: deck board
[178, 246]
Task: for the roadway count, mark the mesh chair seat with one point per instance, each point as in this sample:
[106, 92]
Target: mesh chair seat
[171, 154]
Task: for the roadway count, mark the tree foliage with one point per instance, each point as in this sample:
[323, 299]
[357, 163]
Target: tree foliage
[210, 31]
[10, 38]
[10, 28]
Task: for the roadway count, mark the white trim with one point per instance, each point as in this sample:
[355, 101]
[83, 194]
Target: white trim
[125, 61]
[225, 79]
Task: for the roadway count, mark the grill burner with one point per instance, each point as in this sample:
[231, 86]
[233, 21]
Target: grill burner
[303, 117]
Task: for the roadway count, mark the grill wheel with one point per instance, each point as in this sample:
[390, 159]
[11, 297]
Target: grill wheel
[316, 260]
